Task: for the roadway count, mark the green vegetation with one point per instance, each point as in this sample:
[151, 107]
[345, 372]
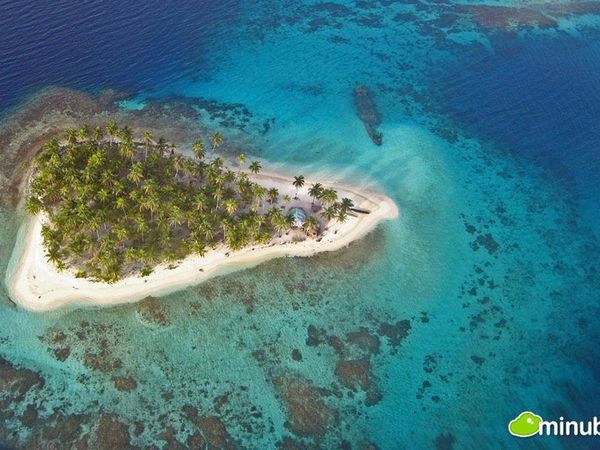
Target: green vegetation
[116, 206]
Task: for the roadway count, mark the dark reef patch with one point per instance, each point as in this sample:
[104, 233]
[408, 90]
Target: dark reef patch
[364, 340]
[125, 383]
[153, 311]
[16, 383]
[354, 374]
[507, 18]
[445, 441]
[395, 333]
[59, 431]
[296, 355]
[93, 344]
[111, 434]
[486, 241]
[308, 414]
[211, 428]
[367, 112]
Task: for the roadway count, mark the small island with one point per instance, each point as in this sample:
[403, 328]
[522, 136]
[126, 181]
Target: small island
[115, 219]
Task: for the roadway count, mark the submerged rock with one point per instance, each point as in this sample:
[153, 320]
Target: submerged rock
[367, 112]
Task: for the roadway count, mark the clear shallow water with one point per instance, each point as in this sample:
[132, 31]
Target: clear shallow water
[482, 296]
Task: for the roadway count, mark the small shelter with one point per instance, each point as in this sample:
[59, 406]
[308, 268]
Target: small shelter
[299, 217]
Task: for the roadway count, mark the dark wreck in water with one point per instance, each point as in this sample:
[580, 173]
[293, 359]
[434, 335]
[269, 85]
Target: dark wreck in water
[367, 112]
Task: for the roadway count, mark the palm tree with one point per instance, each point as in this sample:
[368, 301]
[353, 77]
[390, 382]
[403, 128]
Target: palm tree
[273, 195]
[126, 150]
[311, 224]
[217, 163]
[53, 255]
[175, 216]
[103, 194]
[150, 203]
[242, 160]
[260, 192]
[329, 196]
[230, 206]
[278, 220]
[71, 136]
[198, 246]
[147, 142]
[330, 212]
[229, 176]
[208, 232]
[149, 187]
[198, 149]
[315, 191]
[136, 173]
[218, 195]
[94, 224]
[112, 129]
[83, 132]
[33, 205]
[130, 254]
[161, 146]
[178, 164]
[141, 225]
[255, 167]
[98, 134]
[126, 134]
[51, 147]
[200, 202]
[346, 204]
[121, 233]
[298, 183]
[217, 140]
[121, 203]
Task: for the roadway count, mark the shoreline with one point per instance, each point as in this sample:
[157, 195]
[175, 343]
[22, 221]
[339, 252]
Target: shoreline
[34, 284]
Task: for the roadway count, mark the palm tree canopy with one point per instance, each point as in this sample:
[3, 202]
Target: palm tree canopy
[217, 140]
[120, 209]
[298, 181]
[198, 149]
[255, 167]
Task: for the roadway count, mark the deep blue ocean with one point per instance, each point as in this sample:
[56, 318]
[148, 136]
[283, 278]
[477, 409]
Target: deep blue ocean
[480, 301]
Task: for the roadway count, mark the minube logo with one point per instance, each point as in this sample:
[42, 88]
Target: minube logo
[528, 424]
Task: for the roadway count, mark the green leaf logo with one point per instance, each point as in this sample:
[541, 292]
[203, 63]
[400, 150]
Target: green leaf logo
[526, 424]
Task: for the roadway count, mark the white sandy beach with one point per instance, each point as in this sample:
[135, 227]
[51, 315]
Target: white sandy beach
[34, 284]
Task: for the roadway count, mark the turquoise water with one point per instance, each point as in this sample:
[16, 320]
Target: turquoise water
[480, 301]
